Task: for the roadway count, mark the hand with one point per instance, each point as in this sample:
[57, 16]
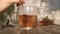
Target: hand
[21, 2]
[17, 1]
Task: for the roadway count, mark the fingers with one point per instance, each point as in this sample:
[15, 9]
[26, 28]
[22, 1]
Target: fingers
[21, 2]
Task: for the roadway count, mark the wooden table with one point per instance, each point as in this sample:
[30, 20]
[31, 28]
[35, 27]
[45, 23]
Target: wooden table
[51, 29]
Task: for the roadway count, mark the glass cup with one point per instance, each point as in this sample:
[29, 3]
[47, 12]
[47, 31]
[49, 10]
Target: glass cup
[27, 17]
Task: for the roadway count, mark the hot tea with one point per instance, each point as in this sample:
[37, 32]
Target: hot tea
[27, 20]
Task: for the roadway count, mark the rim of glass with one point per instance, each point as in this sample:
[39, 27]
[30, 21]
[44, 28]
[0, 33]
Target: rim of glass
[27, 6]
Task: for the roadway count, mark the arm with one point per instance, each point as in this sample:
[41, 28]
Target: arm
[5, 3]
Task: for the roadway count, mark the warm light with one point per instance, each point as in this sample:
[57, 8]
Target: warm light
[27, 8]
[27, 28]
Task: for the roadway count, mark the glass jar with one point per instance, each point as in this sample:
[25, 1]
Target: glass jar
[27, 17]
[45, 16]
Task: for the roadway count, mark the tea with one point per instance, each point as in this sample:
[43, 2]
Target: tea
[27, 20]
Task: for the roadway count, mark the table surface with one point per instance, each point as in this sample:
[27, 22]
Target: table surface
[51, 29]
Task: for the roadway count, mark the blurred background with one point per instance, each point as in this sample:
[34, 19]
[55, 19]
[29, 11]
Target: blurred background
[52, 5]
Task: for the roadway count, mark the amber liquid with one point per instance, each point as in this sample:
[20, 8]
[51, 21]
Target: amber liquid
[27, 20]
[43, 22]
